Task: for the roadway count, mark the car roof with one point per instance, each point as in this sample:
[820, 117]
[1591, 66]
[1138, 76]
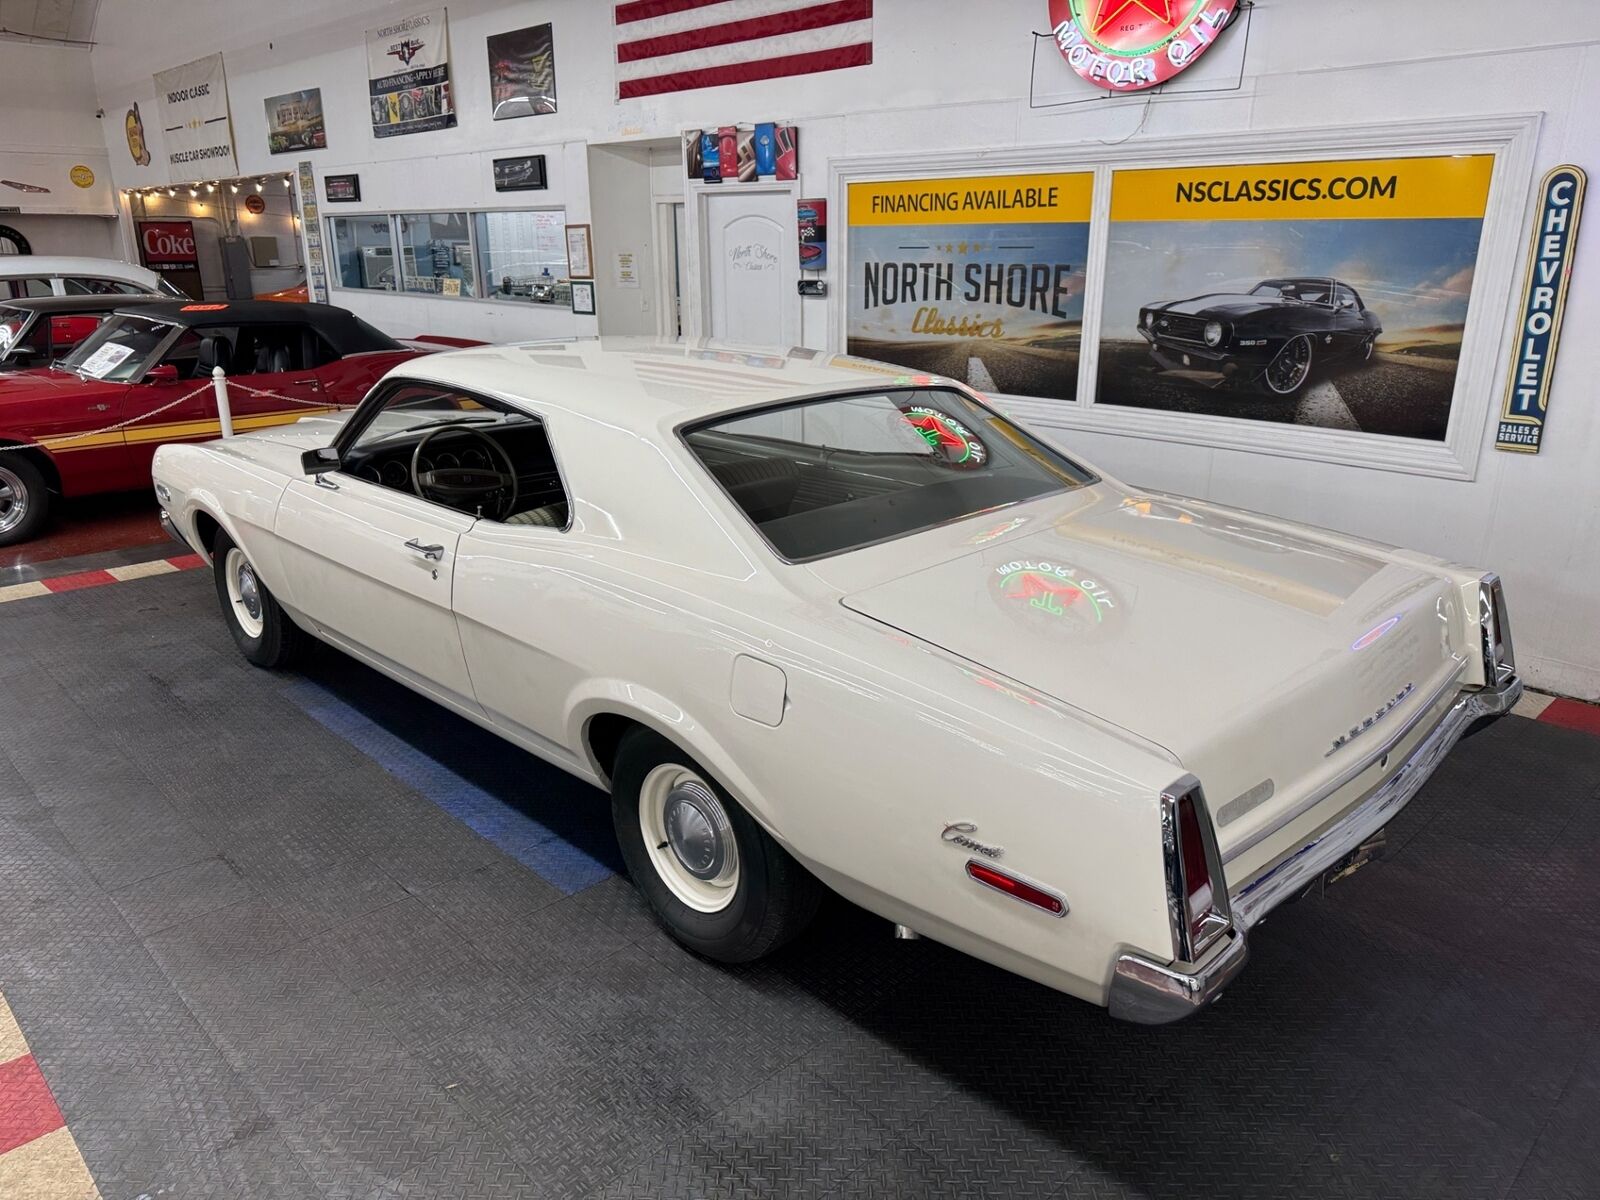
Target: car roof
[642, 380]
[345, 332]
[15, 266]
[78, 304]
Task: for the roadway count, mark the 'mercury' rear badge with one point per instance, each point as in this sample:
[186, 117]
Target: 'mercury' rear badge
[1366, 723]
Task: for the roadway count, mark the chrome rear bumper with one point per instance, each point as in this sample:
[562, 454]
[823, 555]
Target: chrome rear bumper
[1153, 993]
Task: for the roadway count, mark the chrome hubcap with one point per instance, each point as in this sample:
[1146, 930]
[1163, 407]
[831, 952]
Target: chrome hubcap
[244, 593]
[689, 838]
[249, 593]
[13, 501]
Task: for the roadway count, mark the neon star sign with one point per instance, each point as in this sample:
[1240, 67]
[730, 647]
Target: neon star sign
[1130, 45]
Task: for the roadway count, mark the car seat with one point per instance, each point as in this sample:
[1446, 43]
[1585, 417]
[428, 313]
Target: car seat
[553, 516]
[214, 352]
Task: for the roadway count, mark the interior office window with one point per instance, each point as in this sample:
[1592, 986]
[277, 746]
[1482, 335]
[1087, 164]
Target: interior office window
[363, 252]
[523, 255]
[438, 254]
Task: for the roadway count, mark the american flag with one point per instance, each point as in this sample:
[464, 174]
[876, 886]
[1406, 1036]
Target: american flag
[678, 45]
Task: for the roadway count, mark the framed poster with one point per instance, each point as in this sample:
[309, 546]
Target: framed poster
[408, 76]
[977, 278]
[522, 72]
[525, 174]
[294, 122]
[341, 189]
[583, 297]
[1326, 294]
[580, 253]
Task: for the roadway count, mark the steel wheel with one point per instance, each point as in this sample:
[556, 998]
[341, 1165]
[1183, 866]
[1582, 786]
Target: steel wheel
[244, 592]
[1286, 373]
[689, 838]
[13, 501]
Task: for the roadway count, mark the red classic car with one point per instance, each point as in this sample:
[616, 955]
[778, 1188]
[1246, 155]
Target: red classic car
[92, 422]
[36, 332]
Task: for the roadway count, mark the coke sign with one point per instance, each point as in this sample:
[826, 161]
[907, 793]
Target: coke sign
[167, 244]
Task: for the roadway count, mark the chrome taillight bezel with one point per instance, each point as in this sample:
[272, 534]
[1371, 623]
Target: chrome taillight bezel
[1494, 631]
[1188, 945]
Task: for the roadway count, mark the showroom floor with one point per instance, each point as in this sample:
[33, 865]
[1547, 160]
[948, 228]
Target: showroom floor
[307, 935]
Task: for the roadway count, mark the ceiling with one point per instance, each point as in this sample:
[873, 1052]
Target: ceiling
[58, 20]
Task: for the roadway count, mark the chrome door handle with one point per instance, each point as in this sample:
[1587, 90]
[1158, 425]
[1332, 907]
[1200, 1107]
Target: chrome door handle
[433, 553]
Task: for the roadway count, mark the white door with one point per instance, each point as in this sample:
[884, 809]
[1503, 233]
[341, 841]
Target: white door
[752, 267]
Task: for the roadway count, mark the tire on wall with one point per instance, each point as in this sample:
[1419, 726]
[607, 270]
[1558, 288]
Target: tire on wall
[261, 629]
[24, 498]
[715, 880]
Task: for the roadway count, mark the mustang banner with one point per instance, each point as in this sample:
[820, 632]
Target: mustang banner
[193, 102]
[1331, 294]
[977, 279]
[408, 75]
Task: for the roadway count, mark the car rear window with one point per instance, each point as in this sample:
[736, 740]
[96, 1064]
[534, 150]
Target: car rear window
[825, 476]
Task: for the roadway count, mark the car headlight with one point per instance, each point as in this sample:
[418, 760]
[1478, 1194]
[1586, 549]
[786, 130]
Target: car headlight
[1149, 318]
[1213, 333]
[1499, 662]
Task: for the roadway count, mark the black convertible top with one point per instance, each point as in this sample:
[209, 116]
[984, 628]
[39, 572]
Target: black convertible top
[70, 305]
[344, 331]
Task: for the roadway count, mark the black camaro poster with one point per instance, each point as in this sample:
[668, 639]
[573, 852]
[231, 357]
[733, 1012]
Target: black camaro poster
[1329, 294]
[522, 72]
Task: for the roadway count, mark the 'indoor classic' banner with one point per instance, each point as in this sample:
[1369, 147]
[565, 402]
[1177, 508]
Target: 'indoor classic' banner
[193, 103]
[408, 72]
[1330, 294]
[977, 279]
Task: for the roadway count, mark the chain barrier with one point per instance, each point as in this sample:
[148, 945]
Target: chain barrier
[66, 439]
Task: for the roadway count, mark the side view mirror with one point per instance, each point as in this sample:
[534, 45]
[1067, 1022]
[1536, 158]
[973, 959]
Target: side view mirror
[165, 373]
[316, 462]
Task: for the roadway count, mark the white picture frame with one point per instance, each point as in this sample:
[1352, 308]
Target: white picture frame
[580, 253]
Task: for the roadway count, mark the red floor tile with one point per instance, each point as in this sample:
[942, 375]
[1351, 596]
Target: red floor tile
[1573, 714]
[89, 527]
[27, 1109]
[83, 579]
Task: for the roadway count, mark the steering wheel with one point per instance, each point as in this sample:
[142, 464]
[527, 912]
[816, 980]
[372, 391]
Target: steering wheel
[467, 488]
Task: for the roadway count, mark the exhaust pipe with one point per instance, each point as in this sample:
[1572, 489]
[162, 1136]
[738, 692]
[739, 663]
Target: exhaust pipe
[904, 933]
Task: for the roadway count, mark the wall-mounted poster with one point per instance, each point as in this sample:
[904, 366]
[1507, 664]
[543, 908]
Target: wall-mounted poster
[580, 253]
[525, 173]
[522, 72]
[341, 189]
[978, 279]
[408, 76]
[193, 103]
[294, 122]
[811, 218]
[1330, 294]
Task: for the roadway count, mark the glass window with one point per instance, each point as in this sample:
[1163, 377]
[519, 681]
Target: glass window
[438, 254]
[118, 350]
[76, 286]
[20, 288]
[826, 476]
[363, 252]
[523, 255]
[416, 407]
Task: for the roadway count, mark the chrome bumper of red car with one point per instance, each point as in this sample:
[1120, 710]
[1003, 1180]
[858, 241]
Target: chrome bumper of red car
[1152, 993]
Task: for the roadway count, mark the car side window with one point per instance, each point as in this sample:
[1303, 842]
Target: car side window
[269, 349]
[31, 288]
[1343, 297]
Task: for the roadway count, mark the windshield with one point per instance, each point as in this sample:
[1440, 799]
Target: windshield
[825, 476]
[17, 341]
[118, 349]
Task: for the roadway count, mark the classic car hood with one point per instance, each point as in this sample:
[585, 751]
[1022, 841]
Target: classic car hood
[1243, 650]
[19, 388]
[1218, 304]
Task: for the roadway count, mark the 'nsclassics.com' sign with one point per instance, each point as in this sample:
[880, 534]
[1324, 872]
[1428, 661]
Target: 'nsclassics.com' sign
[1555, 235]
[193, 102]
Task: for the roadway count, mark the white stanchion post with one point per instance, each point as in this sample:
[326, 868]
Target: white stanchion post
[219, 384]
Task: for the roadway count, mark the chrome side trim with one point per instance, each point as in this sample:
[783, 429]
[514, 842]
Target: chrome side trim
[1153, 993]
[1294, 873]
[171, 529]
[1299, 810]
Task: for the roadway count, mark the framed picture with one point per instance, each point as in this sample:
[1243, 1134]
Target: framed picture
[341, 189]
[525, 174]
[294, 122]
[583, 297]
[580, 254]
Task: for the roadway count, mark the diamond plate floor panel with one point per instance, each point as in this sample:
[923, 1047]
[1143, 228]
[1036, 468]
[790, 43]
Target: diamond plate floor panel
[253, 961]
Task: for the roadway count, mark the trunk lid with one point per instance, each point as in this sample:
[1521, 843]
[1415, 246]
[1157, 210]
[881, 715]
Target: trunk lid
[1248, 652]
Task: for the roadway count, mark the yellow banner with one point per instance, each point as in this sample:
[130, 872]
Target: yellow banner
[1455, 186]
[979, 200]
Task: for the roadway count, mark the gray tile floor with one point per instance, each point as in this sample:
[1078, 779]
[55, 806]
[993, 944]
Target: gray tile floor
[252, 962]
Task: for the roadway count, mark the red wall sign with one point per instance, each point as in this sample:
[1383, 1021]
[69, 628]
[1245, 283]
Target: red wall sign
[167, 244]
[1130, 45]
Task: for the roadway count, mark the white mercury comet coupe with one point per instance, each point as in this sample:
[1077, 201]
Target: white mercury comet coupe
[819, 621]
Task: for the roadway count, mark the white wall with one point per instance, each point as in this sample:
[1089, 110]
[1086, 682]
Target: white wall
[47, 106]
[623, 218]
[949, 75]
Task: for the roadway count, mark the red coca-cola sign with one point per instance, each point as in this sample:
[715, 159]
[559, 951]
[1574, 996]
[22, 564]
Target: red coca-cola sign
[167, 244]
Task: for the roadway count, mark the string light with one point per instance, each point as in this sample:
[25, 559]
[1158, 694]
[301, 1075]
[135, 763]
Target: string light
[194, 191]
[285, 181]
[258, 185]
[211, 187]
[173, 193]
[234, 187]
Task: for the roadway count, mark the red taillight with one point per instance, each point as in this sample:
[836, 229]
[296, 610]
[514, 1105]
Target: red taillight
[1018, 889]
[1198, 905]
